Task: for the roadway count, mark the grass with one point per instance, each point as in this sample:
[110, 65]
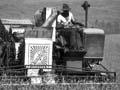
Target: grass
[83, 86]
[108, 27]
[18, 84]
[112, 54]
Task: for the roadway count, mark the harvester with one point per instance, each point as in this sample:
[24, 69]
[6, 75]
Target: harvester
[39, 52]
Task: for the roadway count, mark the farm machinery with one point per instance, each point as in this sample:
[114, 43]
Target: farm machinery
[37, 51]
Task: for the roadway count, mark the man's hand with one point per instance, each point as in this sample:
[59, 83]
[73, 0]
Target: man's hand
[78, 23]
[68, 25]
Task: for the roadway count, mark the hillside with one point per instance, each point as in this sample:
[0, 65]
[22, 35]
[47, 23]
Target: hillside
[108, 10]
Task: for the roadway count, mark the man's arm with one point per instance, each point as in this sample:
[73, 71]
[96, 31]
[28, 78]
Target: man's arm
[60, 21]
[77, 23]
[74, 22]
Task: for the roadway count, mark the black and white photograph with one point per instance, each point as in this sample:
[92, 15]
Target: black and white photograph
[59, 44]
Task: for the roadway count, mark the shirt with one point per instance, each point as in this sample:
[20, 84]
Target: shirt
[65, 20]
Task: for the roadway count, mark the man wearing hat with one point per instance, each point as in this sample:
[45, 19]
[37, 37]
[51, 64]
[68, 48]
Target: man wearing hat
[66, 18]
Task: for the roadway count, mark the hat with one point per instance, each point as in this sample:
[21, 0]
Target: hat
[65, 7]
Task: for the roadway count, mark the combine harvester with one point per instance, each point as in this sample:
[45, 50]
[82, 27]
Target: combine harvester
[38, 55]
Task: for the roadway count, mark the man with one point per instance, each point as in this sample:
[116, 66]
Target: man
[66, 18]
[72, 38]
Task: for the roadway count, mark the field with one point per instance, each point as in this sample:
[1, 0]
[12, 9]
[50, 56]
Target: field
[87, 86]
[104, 13]
[108, 10]
[112, 54]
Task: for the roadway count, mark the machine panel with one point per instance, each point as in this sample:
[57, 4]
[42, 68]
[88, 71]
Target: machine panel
[94, 42]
